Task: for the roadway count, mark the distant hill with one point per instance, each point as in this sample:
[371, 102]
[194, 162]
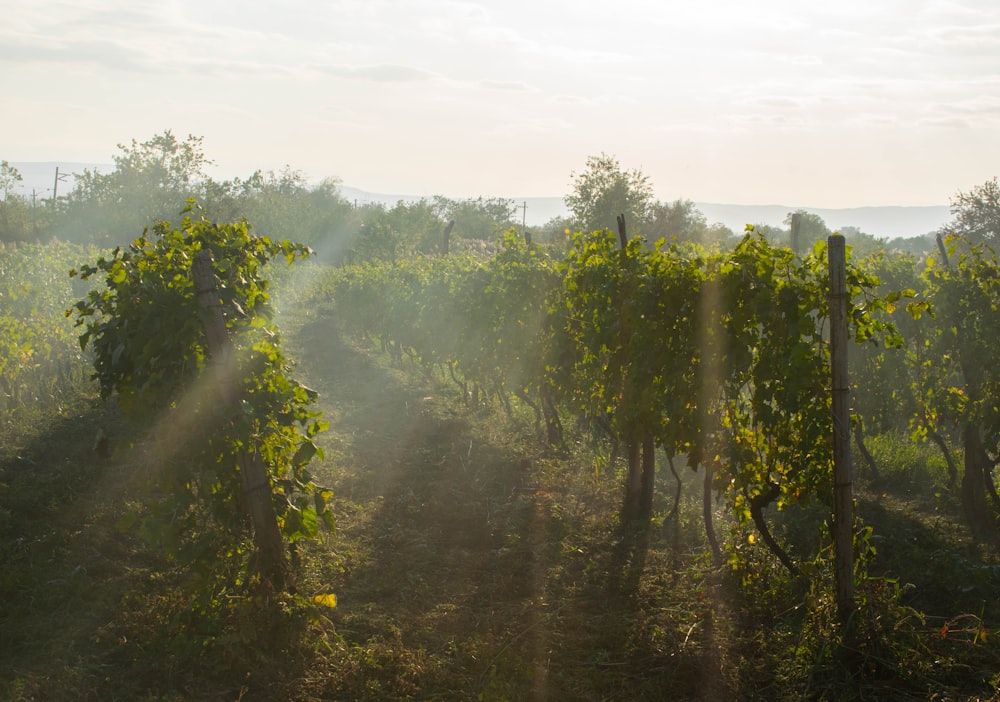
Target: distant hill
[888, 222]
[885, 222]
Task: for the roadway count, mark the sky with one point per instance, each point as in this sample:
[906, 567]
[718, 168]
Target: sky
[834, 104]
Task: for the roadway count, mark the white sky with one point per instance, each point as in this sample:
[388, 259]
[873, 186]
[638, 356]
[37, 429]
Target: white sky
[831, 104]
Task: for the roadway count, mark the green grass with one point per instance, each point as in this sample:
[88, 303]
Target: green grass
[469, 563]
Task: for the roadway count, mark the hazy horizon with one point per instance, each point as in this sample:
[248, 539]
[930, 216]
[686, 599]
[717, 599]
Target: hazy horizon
[882, 220]
[849, 104]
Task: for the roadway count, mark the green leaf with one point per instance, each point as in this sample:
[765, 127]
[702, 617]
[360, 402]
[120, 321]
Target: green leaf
[118, 273]
[307, 449]
[310, 524]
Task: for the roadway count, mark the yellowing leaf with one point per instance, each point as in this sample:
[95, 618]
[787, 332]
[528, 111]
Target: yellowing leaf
[751, 539]
[327, 600]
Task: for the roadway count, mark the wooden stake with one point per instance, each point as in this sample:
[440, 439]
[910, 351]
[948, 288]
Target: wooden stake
[843, 497]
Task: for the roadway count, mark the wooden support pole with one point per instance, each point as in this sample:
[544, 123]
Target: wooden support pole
[795, 232]
[256, 484]
[843, 497]
[446, 243]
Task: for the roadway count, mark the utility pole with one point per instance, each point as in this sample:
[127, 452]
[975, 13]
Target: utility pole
[55, 185]
[524, 219]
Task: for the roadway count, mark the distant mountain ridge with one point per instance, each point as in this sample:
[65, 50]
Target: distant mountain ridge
[888, 221]
[884, 222]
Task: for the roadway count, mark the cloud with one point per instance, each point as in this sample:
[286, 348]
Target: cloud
[944, 123]
[508, 86]
[381, 73]
[984, 105]
[776, 102]
[109, 55]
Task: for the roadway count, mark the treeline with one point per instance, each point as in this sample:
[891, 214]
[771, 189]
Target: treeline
[152, 179]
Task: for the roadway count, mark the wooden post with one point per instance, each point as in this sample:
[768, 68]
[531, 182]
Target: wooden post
[796, 229]
[622, 234]
[943, 251]
[446, 244]
[253, 473]
[843, 497]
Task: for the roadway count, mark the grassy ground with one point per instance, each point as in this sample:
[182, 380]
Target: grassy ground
[469, 564]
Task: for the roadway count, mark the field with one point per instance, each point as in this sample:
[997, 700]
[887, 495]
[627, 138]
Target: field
[471, 563]
[472, 558]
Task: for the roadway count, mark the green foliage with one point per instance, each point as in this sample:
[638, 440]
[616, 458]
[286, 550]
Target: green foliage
[775, 374]
[445, 514]
[41, 363]
[146, 332]
[282, 206]
[977, 213]
[483, 218]
[952, 351]
[630, 320]
[488, 322]
[909, 468]
[805, 229]
[681, 220]
[19, 221]
[148, 180]
[9, 177]
[603, 191]
[722, 357]
[883, 372]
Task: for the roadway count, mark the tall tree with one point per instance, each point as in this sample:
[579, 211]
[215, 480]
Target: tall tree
[683, 221]
[977, 213]
[604, 190]
[9, 177]
[17, 217]
[148, 181]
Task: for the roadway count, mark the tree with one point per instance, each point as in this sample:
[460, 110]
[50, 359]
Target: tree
[977, 213]
[805, 229]
[17, 217]
[861, 243]
[683, 221]
[603, 191]
[282, 205]
[679, 220]
[482, 218]
[9, 177]
[418, 226]
[918, 246]
[148, 181]
[163, 162]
